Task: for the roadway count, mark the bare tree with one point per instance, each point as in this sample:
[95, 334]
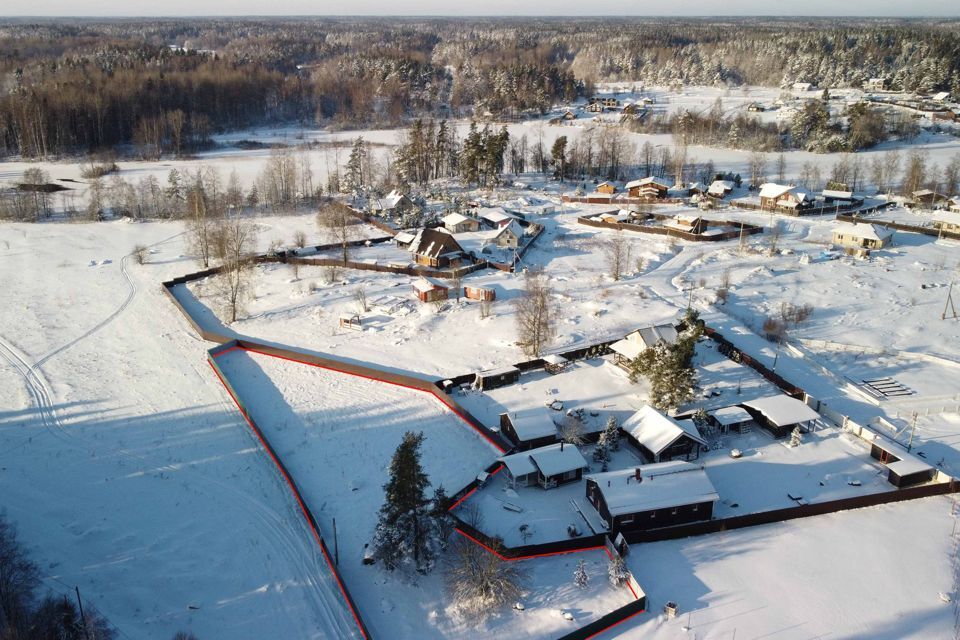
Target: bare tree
[456, 284]
[617, 251]
[140, 253]
[758, 168]
[360, 296]
[235, 242]
[536, 315]
[571, 430]
[335, 221]
[300, 239]
[485, 308]
[774, 235]
[331, 273]
[478, 581]
[781, 168]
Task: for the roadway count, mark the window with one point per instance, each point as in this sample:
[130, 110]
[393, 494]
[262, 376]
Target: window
[626, 519]
[696, 507]
[673, 511]
[653, 514]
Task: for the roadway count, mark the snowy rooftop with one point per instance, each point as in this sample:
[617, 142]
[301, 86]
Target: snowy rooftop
[774, 190]
[863, 230]
[782, 410]
[656, 431]
[557, 458]
[404, 237]
[947, 217]
[646, 181]
[837, 195]
[454, 219]
[424, 284]
[908, 462]
[663, 485]
[731, 415]
[496, 215]
[530, 424]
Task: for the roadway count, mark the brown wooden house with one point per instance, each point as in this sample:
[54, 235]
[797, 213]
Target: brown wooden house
[437, 248]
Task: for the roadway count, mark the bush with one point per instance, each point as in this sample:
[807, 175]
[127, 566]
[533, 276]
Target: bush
[98, 170]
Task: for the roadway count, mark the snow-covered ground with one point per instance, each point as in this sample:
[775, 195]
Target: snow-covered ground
[336, 434]
[871, 573]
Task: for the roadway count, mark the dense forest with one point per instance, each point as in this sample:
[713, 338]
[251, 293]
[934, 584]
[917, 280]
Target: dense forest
[165, 86]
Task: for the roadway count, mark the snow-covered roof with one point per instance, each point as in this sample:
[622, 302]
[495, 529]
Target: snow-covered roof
[434, 243]
[863, 230]
[837, 195]
[638, 341]
[774, 190]
[731, 415]
[554, 359]
[947, 217]
[919, 193]
[662, 485]
[782, 410]
[404, 237]
[645, 181]
[558, 458]
[453, 219]
[656, 431]
[907, 464]
[720, 187]
[514, 228]
[495, 215]
[424, 284]
[533, 423]
[620, 216]
[519, 464]
[391, 200]
[941, 96]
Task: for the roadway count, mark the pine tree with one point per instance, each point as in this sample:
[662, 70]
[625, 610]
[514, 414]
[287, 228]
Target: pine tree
[580, 577]
[611, 434]
[353, 181]
[617, 571]
[795, 437]
[404, 528]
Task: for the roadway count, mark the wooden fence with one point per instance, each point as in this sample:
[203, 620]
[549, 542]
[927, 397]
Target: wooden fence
[743, 229]
[900, 226]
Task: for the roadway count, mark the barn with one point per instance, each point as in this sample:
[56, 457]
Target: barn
[660, 438]
[652, 496]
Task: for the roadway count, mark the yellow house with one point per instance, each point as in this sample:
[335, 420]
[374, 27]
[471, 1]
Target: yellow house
[861, 235]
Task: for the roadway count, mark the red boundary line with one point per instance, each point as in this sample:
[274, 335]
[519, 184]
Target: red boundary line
[472, 491]
[366, 377]
[303, 507]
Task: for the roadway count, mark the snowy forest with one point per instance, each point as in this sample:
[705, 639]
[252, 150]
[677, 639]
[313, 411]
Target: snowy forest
[166, 86]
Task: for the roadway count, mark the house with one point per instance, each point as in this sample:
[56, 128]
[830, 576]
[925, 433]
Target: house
[927, 197]
[403, 239]
[549, 466]
[735, 418]
[436, 248]
[509, 236]
[606, 188]
[394, 203]
[529, 428]
[688, 223]
[780, 414]
[861, 235]
[569, 115]
[948, 221]
[649, 188]
[875, 84]
[755, 107]
[595, 107]
[495, 217]
[430, 290]
[779, 196]
[493, 378]
[652, 496]
[903, 468]
[943, 96]
[803, 86]
[457, 223]
[660, 438]
[955, 204]
[636, 342]
[696, 189]
[720, 188]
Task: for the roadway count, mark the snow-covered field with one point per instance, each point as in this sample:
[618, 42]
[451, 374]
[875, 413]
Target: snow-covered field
[871, 573]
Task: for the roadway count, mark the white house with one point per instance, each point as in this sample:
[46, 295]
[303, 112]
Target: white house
[720, 188]
[458, 223]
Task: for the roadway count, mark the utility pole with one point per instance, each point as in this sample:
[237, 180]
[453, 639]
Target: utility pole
[949, 305]
[777, 356]
[913, 428]
[83, 618]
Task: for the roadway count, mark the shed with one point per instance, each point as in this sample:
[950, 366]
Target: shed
[862, 235]
[779, 414]
[403, 239]
[529, 428]
[727, 418]
[660, 438]
[430, 290]
[493, 378]
[652, 496]
[484, 294]
[903, 468]
[720, 188]
[555, 363]
[458, 223]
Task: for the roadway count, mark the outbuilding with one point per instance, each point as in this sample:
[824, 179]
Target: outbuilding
[548, 467]
[853, 235]
[493, 378]
[529, 428]
[430, 290]
[607, 188]
[948, 221]
[731, 418]
[660, 438]
[459, 223]
[720, 188]
[903, 468]
[652, 496]
[780, 414]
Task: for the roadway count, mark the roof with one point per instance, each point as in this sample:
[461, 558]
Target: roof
[404, 237]
[948, 217]
[656, 431]
[553, 358]
[636, 342]
[514, 228]
[558, 458]
[719, 186]
[731, 415]
[943, 95]
[494, 215]
[454, 219]
[518, 464]
[837, 195]
[434, 243]
[530, 424]
[662, 485]
[774, 190]
[391, 200]
[863, 230]
[782, 410]
[908, 462]
[645, 181]
[424, 284]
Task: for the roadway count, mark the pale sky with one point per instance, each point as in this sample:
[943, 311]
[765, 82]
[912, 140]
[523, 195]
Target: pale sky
[906, 8]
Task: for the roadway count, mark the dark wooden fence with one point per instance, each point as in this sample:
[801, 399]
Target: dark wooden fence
[747, 229]
[730, 350]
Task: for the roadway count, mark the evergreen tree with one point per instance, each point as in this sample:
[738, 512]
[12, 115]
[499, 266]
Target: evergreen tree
[559, 155]
[353, 181]
[580, 577]
[404, 529]
[617, 571]
[611, 434]
[669, 367]
[795, 437]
